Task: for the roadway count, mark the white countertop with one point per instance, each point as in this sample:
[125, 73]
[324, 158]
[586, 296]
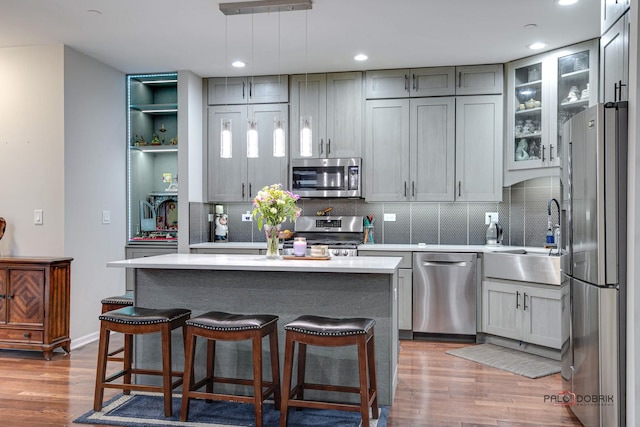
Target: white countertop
[230, 245]
[377, 265]
[448, 248]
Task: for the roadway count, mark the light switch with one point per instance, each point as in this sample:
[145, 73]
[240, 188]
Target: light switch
[37, 217]
[106, 217]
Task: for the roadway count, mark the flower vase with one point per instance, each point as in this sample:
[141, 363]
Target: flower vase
[272, 232]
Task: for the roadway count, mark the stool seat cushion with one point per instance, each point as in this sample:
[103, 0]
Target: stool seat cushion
[221, 321]
[144, 316]
[126, 299]
[316, 325]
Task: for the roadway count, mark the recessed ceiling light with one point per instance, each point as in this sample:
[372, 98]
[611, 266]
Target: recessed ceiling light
[566, 2]
[238, 64]
[537, 46]
[361, 57]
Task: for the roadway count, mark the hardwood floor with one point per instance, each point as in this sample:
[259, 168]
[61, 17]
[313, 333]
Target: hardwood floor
[435, 389]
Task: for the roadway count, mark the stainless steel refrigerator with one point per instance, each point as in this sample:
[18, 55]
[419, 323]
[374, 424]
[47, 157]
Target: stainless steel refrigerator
[594, 211]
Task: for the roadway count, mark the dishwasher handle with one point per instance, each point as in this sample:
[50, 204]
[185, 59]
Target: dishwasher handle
[444, 263]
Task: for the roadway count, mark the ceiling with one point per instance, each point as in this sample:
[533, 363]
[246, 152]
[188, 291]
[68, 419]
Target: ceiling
[139, 36]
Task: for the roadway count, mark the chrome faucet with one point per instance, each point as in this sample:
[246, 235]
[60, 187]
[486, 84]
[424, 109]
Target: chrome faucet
[555, 228]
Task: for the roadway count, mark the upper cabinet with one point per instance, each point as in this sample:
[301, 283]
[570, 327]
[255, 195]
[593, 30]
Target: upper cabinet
[543, 92]
[335, 104]
[248, 90]
[611, 11]
[614, 62]
[152, 160]
[435, 81]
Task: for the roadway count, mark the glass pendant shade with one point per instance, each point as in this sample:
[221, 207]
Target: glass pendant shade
[306, 147]
[225, 138]
[279, 138]
[252, 138]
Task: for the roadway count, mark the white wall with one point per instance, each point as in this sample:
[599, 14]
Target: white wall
[62, 149]
[95, 181]
[32, 150]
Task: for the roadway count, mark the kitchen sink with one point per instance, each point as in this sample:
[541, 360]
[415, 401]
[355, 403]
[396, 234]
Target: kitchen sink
[523, 266]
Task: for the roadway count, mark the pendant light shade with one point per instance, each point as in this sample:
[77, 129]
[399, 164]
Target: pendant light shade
[279, 137]
[252, 138]
[225, 138]
[306, 147]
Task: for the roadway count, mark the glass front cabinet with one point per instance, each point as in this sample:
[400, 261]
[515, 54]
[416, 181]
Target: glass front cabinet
[544, 91]
[152, 158]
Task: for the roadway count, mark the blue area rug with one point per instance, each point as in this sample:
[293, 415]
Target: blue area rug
[146, 409]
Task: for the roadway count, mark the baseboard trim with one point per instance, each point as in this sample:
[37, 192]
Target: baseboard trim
[87, 339]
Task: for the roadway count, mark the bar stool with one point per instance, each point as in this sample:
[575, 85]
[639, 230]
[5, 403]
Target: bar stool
[114, 303]
[219, 326]
[330, 332]
[136, 321]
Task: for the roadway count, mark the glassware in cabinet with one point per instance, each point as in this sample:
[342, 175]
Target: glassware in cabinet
[527, 144]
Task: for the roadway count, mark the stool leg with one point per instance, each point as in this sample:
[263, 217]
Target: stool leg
[127, 361]
[101, 370]
[275, 367]
[188, 376]
[373, 381]
[289, 348]
[257, 376]
[166, 369]
[211, 362]
[363, 376]
[302, 368]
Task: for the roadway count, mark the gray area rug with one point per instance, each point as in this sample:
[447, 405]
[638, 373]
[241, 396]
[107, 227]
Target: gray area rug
[506, 359]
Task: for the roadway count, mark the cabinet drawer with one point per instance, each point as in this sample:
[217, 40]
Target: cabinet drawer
[18, 335]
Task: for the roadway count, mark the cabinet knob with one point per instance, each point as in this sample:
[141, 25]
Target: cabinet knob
[10, 296]
[27, 335]
[1, 296]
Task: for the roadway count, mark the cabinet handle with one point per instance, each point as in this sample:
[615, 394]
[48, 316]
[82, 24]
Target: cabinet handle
[243, 190]
[517, 299]
[551, 152]
[250, 90]
[406, 82]
[543, 147]
[619, 87]
[405, 189]
[10, 296]
[27, 335]
[525, 302]
[459, 78]
[413, 189]
[1, 296]
[321, 146]
[414, 82]
[459, 188]
[250, 192]
[328, 146]
[242, 90]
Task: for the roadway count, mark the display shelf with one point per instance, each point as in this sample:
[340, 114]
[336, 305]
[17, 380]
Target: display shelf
[156, 108]
[528, 111]
[154, 148]
[582, 74]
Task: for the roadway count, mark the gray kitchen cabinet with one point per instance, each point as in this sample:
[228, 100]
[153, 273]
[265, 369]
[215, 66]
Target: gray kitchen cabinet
[614, 62]
[141, 251]
[480, 79]
[335, 103]
[447, 149]
[402, 83]
[543, 92]
[248, 90]
[225, 251]
[405, 285]
[238, 179]
[479, 132]
[529, 313]
[611, 11]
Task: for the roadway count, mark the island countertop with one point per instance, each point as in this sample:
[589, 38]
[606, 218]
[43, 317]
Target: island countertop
[378, 265]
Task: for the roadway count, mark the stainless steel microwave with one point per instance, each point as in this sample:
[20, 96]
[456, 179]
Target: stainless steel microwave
[327, 177]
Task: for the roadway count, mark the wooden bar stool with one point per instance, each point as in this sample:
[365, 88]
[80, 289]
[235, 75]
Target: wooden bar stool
[219, 326]
[114, 303]
[135, 321]
[329, 332]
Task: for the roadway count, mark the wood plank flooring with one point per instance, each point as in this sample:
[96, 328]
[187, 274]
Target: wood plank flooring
[435, 389]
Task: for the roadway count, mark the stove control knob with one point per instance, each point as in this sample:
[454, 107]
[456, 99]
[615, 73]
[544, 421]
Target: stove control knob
[336, 252]
[345, 252]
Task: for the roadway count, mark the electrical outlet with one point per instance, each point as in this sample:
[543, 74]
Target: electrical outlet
[37, 217]
[246, 216]
[389, 217]
[490, 216]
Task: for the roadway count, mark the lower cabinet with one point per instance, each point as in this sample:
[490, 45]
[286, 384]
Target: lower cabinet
[34, 304]
[141, 251]
[405, 285]
[530, 313]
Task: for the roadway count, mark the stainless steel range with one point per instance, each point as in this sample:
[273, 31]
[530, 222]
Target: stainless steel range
[342, 234]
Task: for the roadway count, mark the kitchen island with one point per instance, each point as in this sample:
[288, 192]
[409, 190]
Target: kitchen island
[340, 287]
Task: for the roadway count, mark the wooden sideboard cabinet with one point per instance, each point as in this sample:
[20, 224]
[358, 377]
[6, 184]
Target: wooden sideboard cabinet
[34, 304]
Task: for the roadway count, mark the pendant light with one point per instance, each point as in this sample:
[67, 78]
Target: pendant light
[279, 135]
[306, 144]
[226, 138]
[252, 125]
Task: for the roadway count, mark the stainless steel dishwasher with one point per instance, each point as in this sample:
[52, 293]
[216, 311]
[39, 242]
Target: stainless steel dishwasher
[444, 293]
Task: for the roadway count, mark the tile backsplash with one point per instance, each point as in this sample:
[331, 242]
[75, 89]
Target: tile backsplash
[522, 213]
